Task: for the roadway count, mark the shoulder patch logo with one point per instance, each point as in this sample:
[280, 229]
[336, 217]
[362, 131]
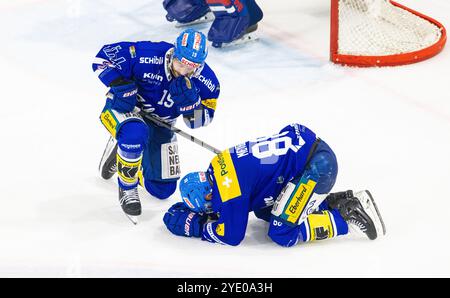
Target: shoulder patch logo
[210, 103]
[220, 229]
[132, 51]
[226, 177]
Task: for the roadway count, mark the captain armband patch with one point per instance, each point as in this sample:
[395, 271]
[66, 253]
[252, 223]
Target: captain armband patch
[210, 103]
[226, 176]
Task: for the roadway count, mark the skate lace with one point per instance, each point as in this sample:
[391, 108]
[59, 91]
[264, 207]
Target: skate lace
[113, 168]
[130, 196]
[358, 224]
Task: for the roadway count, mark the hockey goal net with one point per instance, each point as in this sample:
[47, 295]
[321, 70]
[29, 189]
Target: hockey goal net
[382, 33]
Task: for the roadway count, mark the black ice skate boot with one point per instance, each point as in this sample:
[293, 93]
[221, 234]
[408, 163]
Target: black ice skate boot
[108, 163]
[128, 180]
[360, 211]
[130, 202]
[333, 199]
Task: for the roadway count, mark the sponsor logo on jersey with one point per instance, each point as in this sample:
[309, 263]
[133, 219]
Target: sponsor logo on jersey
[132, 51]
[220, 229]
[207, 82]
[152, 76]
[299, 201]
[210, 103]
[226, 176]
[151, 60]
[212, 235]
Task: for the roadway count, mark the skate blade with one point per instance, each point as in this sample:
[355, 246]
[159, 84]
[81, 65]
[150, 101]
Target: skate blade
[249, 37]
[209, 17]
[108, 149]
[369, 205]
[133, 219]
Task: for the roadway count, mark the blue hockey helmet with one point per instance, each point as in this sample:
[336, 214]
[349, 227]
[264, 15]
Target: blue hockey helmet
[190, 48]
[196, 190]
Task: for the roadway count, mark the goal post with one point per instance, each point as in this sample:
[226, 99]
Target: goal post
[367, 33]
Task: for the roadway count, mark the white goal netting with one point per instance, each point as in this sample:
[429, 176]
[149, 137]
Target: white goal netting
[379, 28]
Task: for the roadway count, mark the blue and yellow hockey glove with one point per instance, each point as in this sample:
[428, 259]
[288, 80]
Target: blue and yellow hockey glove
[185, 94]
[124, 97]
[181, 221]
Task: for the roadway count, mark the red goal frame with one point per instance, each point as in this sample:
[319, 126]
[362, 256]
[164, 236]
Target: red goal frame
[388, 60]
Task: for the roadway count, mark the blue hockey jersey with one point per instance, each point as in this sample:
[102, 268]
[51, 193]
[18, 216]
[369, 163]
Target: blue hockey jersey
[249, 177]
[147, 64]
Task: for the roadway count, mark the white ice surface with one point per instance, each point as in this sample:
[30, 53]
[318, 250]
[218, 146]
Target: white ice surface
[389, 127]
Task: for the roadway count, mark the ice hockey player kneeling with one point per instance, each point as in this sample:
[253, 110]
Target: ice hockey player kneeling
[285, 179]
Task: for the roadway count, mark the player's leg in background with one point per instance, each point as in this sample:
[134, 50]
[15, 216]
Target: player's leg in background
[233, 19]
[185, 11]
[255, 12]
[161, 165]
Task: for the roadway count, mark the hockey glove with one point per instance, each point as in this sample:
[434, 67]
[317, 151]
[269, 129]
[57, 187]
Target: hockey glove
[181, 221]
[185, 94]
[124, 97]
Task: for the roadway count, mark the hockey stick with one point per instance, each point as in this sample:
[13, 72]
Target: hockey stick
[182, 133]
[176, 130]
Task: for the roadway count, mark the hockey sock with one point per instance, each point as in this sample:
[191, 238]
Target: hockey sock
[323, 225]
[128, 165]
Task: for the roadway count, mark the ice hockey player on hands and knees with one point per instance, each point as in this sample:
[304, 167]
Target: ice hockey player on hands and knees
[152, 79]
[294, 167]
[233, 21]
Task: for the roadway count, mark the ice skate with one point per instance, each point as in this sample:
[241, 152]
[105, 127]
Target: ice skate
[359, 211]
[208, 17]
[130, 203]
[108, 163]
[249, 35]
